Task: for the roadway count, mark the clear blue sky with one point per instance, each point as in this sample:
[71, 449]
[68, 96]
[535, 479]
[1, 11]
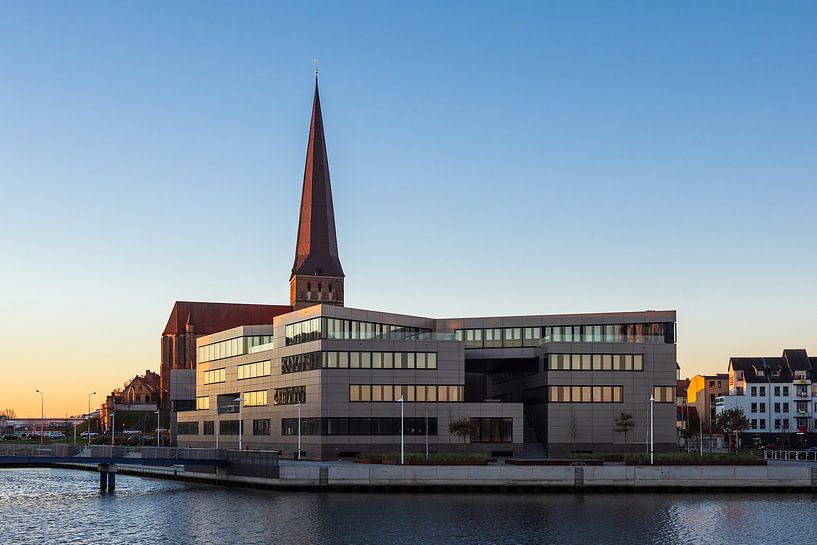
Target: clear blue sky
[486, 158]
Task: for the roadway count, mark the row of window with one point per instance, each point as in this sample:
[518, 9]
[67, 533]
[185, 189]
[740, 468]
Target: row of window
[483, 430]
[232, 347]
[435, 393]
[509, 337]
[387, 425]
[596, 362]
[254, 369]
[585, 394]
[664, 394]
[332, 328]
[214, 376]
[358, 360]
[202, 403]
[800, 391]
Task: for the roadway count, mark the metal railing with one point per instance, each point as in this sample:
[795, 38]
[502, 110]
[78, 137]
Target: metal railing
[789, 455]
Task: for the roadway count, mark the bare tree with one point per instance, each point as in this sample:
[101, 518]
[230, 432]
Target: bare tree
[8, 413]
[623, 424]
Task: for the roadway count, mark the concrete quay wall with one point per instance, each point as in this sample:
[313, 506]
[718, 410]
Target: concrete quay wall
[800, 477]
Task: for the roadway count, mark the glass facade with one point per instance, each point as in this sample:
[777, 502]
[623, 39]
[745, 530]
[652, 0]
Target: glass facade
[586, 394]
[333, 328]
[255, 369]
[214, 376]
[596, 362]
[431, 393]
[359, 426]
[358, 360]
[509, 337]
[492, 430]
[232, 347]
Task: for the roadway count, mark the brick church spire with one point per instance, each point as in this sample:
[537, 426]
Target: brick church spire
[317, 276]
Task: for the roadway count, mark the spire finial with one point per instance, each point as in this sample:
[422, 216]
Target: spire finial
[315, 62]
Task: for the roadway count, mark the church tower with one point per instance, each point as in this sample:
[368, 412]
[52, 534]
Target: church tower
[317, 276]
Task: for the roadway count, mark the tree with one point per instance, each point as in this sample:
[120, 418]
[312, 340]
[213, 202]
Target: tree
[732, 421]
[623, 424]
[462, 427]
[8, 413]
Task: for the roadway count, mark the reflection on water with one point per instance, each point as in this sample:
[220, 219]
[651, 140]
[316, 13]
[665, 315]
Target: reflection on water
[62, 506]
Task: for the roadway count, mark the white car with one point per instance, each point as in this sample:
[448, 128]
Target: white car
[89, 435]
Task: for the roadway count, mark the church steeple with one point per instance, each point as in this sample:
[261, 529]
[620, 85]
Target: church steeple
[317, 276]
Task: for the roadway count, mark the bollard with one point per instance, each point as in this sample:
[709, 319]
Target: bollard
[111, 483]
[103, 481]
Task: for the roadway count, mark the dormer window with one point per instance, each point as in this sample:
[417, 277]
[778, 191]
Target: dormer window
[761, 373]
[775, 373]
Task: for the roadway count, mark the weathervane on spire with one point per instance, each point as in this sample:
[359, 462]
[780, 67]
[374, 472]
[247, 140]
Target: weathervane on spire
[315, 62]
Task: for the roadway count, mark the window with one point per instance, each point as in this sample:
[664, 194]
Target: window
[256, 398]
[188, 428]
[762, 391]
[777, 407]
[762, 407]
[754, 391]
[301, 362]
[301, 332]
[664, 394]
[255, 369]
[785, 391]
[493, 338]
[209, 428]
[512, 337]
[228, 427]
[754, 408]
[261, 426]
[215, 376]
[785, 407]
[585, 394]
[202, 403]
[289, 395]
[532, 336]
[761, 373]
[777, 423]
[753, 424]
[777, 390]
[762, 423]
[492, 430]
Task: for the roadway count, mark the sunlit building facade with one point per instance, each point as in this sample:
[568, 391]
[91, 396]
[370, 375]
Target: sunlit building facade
[345, 381]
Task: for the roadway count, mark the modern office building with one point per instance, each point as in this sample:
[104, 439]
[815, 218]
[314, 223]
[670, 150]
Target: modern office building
[777, 396]
[344, 380]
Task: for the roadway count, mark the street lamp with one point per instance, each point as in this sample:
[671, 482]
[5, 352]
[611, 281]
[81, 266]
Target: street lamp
[42, 414]
[402, 436]
[158, 427]
[652, 430]
[298, 404]
[88, 430]
[240, 423]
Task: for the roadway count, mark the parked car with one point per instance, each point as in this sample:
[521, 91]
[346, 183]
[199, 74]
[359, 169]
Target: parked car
[10, 437]
[89, 434]
[55, 435]
[131, 431]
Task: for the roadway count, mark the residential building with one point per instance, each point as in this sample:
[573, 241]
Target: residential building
[777, 396]
[342, 380]
[139, 394]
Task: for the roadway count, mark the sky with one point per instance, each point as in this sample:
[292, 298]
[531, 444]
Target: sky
[486, 159]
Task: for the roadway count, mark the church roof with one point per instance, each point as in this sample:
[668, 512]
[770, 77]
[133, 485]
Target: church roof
[209, 318]
[316, 252]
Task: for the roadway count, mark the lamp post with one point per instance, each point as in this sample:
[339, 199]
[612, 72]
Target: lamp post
[402, 436]
[42, 414]
[88, 430]
[215, 423]
[113, 422]
[158, 427]
[240, 423]
[298, 404]
[652, 430]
